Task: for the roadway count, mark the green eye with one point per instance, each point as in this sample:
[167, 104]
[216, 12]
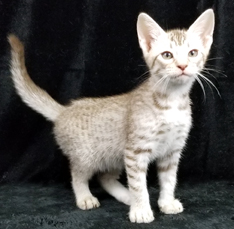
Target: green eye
[193, 53]
[167, 55]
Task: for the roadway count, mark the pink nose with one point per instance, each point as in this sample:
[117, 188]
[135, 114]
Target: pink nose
[182, 67]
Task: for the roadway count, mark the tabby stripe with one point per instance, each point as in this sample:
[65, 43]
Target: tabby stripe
[175, 151]
[184, 106]
[163, 169]
[143, 137]
[131, 158]
[159, 106]
[185, 96]
[163, 124]
[131, 176]
[160, 95]
[161, 132]
[136, 189]
[155, 60]
[180, 137]
[138, 151]
[142, 170]
[136, 169]
[129, 149]
[167, 157]
[130, 167]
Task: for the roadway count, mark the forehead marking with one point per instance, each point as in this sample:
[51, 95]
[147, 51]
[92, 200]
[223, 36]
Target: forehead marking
[177, 36]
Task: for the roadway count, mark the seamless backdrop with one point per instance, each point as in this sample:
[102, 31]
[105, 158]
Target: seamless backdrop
[89, 48]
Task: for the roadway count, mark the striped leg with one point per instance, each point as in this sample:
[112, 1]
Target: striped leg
[167, 171]
[136, 163]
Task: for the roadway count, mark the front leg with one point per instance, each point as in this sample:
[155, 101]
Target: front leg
[167, 172]
[136, 163]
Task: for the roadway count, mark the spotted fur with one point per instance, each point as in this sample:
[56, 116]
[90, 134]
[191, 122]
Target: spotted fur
[151, 123]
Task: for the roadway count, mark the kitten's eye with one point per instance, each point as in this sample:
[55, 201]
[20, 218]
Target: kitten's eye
[167, 55]
[193, 53]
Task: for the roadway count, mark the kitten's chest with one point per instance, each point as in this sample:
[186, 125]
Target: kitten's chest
[172, 130]
[176, 117]
[174, 110]
[173, 124]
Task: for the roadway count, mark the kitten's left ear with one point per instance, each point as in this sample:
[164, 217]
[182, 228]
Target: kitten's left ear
[204, 27]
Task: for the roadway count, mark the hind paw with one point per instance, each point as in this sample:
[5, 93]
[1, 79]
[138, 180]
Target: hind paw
[88, 203]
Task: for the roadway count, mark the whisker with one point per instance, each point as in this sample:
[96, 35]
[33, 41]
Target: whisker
[212, 69]
[166, 84]
[160, 81]
[201, 85]
[215, 58]
[145, 73]
[208, 85]
[209, 81]
[215, 70]
[207, 72]
[213, 65]
[140, 79]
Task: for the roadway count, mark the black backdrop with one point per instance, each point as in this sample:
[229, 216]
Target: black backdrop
[78, 48]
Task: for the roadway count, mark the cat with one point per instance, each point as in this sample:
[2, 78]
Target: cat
[150, 123]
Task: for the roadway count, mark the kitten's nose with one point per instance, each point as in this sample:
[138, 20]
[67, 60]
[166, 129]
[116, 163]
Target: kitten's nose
[182, 67]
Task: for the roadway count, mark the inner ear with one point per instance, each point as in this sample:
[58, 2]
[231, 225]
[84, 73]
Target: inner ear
[148, 32]
[204, 27]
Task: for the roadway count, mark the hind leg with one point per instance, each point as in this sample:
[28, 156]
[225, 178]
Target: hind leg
[80, 184]
[110, 183]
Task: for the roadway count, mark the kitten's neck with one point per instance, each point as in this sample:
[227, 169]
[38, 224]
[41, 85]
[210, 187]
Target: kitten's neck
[171, 90]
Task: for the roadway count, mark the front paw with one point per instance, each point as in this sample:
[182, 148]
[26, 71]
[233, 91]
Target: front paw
[170, 207]
[141, 215]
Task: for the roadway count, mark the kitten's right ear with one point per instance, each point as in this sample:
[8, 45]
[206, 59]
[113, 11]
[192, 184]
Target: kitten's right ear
[148, 32]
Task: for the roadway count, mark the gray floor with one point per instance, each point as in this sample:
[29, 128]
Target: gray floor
[207, 205]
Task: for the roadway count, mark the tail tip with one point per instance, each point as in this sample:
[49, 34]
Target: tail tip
[15, 43]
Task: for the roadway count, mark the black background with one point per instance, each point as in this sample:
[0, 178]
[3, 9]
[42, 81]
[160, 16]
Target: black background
[80, 48]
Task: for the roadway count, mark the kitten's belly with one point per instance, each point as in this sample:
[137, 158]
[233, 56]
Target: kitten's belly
[108, 154]
[98, 154]
[95, 143]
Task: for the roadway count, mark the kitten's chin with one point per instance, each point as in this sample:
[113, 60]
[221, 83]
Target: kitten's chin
[181, 79]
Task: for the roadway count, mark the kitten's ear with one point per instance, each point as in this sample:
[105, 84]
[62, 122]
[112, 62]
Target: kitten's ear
[148, 32]
[204, 27]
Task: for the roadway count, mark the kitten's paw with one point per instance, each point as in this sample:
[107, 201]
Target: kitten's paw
[170, 207]
[88, 203]
[141, 215]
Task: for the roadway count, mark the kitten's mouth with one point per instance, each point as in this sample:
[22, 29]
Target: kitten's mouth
[181, 78]
[181, 75]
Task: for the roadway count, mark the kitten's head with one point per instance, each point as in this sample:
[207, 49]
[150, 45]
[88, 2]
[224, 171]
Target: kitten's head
[176, 56]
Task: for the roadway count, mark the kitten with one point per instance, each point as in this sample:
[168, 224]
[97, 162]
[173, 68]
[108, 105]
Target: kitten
[150, 123]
